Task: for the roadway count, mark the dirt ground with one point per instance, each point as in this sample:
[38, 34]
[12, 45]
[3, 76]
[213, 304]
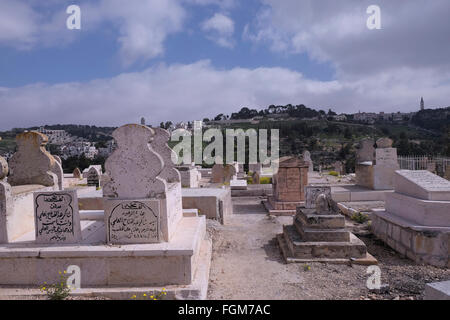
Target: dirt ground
[247, 264]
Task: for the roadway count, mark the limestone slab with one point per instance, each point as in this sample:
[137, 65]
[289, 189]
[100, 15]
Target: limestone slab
[57, 219]
[132, 221]
[421, 212]
[422, 184]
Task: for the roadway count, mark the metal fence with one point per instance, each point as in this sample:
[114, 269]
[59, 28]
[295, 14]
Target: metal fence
[436, 164]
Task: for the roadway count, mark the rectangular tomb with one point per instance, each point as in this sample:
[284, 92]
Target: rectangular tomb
[422, 184]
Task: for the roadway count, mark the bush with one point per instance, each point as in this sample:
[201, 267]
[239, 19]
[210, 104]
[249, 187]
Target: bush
[265, 180]
[333, 173]
[360, 217]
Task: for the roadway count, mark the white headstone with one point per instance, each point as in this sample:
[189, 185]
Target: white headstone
[133, 221]
[57, 220]
[386, 157]
[93, 177]
[133, 168]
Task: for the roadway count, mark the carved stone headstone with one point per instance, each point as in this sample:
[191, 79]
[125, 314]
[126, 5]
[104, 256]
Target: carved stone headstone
[137, 204]
[133, 168]
[57, 219]
[77, 173]
[223, 173]
[133, 221]
[256, 178]
[3, 168]
[32, 164]
[384, 143]
[312, 192]
[366, 151]
[325, 205]
[93, 177]
[307, 158]
[160, 146]
[58, 159]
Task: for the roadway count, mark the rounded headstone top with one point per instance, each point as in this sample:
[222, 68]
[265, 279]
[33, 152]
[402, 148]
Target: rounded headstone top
[33, 138]
[3, 168]
[384, 143]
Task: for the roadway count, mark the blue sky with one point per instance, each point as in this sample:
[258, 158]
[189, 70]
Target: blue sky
[189, 59]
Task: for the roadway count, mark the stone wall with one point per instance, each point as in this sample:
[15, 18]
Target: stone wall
[423, 245]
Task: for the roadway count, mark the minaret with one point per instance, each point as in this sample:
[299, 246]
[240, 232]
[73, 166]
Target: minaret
[422, 104]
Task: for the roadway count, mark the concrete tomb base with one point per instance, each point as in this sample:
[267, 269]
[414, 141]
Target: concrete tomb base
[437, 291]
[214, 203]
[281, 208]
[416, 222]
[422, 244]
[181, 265]
[321, 238]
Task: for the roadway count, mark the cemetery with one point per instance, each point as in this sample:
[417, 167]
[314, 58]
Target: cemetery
[142, 224]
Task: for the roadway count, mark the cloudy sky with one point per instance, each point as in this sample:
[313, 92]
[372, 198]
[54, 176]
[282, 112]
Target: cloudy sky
[189, 59]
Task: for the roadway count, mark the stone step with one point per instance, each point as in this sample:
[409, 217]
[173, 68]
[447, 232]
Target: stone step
[329, 235]
[301, 249]
[309, 219]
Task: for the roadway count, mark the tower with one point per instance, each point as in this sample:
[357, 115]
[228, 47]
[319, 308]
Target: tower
[422, 104]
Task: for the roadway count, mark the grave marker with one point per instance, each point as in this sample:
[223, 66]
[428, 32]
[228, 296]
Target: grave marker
[57, 219]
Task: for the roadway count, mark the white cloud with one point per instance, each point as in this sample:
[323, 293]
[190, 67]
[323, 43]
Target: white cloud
[195, 91]
[413, 35]
[220, 29]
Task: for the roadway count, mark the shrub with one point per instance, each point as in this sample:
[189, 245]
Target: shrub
[333, 173]
[360, 217]
[265, 180]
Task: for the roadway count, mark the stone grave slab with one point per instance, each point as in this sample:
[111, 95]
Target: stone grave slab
[422, 184]
[132, 221]
[57, 220]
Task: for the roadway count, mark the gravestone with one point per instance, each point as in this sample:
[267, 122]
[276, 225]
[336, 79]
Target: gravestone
[384, 143]
[57, 220]
[222, 173]
[256, 178]
[318, 235]
[422, 184]
[133, 174]
[447, 173]
[3, 168]
[5, 200]
[306, 156]
[366, 151]
[32, 164]
[58, 159]
[288, 186]
[93, 177]
[416, 219]
[431, 166]
[133, 222]
[77, 173]
[312, 192]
